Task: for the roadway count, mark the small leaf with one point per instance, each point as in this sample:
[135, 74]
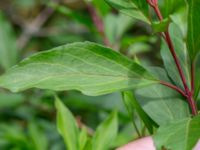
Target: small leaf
[67, 126]
[8, 48]
[83, 138]
[87, 67]
[131, 104]
[179, 135]
[137, 9]
[161, 26]
[193, 34]
[105, 133]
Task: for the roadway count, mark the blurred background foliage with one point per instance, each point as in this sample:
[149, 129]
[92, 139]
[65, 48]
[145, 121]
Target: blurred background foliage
[28, 119]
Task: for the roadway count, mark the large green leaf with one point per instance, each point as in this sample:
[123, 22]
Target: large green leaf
[8, 49]
[161, 103]
[137, 9]
[193, 35]
[180, 135]
[67, 126]
[181, 51]
[106, 133]
[87, 67]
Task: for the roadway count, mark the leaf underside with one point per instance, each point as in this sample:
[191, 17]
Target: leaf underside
[87, 67]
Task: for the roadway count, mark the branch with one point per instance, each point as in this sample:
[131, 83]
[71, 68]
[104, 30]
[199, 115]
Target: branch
[97, 20]
[173, 87]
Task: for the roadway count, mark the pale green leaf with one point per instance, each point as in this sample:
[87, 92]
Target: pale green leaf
[161, 103]
[67, 126]
[87, 67]
[179, 135]
[114, 28]
[83, 138]
[106, 133]
[193, 34]
[8, 49]
[137, 9]
[181, 51]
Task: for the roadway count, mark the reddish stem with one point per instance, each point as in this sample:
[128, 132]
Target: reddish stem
[98, 23]
[173, 87]
[187, 92]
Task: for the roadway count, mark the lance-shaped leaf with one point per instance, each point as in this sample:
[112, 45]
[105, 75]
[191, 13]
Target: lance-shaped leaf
[193, 35]
[87, 67]
[67, 126]
[137, 9]
[180, 135]
[106, 133]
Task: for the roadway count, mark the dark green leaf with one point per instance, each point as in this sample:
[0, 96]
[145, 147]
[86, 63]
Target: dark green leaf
[137, 9]
[180, 135]
[87, 67]
[105, 133]
[38, 137]
[193, 34]
[197, 79]
[11, 100]
[67, 126]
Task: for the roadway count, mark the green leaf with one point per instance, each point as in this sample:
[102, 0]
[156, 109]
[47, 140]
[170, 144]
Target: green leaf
[181, 51]
[180, 135]
[137, 9]
[67, 126]
[161, 103]
[87, 67]
[114, 28]
[131, 104]
[101, 6]
[106, 133]
[83, 138]
[38, 137]
[8, 49]
[170, 7]
[197, 79]
[160, 26]
[193, 34]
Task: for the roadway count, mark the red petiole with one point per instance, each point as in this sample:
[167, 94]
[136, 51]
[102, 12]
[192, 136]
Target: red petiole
[186, 93]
